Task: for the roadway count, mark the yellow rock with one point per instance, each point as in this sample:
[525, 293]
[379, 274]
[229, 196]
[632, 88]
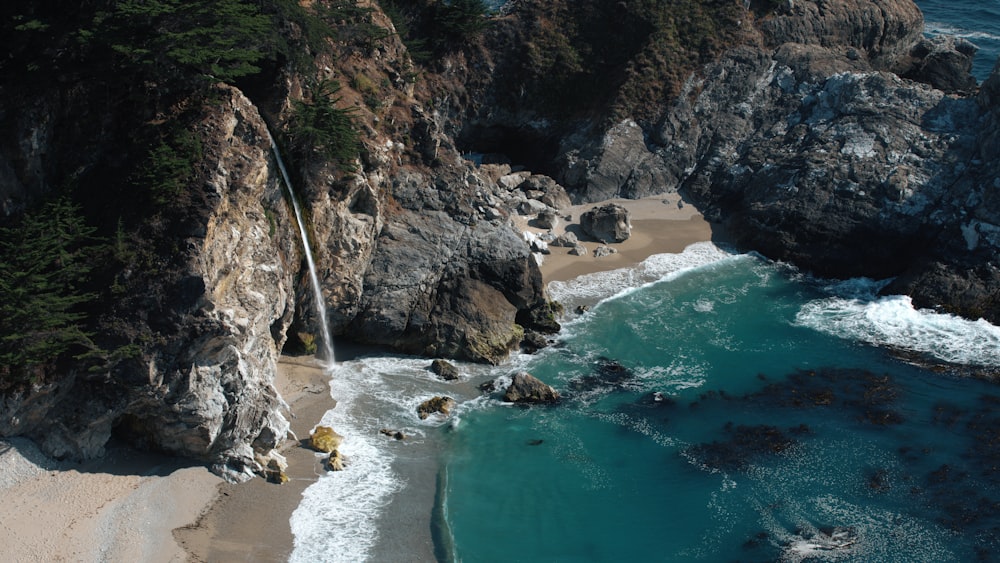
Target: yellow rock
[324, 439]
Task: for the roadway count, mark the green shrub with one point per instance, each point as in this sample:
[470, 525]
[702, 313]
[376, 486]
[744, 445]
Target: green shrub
[169, 167]
[320, 126]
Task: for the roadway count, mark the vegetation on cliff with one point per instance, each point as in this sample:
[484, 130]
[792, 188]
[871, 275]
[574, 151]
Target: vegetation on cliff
[45, 268]
[319, 125]
[612, 60]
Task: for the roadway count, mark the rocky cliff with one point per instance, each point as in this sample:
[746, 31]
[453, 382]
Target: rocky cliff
[201, 280]
[826, 133]
[208, 324]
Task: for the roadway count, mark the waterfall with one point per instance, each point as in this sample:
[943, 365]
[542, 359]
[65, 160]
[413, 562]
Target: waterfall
[324, 324]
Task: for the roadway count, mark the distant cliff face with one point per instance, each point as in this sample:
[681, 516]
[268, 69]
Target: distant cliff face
[827, 134]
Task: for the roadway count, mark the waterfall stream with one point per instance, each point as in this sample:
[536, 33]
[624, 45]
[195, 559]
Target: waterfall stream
[324, 323]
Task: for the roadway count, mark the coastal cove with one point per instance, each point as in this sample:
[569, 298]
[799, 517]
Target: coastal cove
[693, 423]
[562, 280]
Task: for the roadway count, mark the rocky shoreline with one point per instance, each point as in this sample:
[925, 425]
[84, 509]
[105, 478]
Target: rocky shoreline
[831, 135]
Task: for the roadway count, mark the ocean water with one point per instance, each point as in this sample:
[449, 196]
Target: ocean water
[716, 406]
[738, 410]
[975, 20]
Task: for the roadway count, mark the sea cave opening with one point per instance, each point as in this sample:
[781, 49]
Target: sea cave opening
[521, 147]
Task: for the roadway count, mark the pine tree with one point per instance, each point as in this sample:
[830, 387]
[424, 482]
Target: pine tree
[220, 40]
[323, 127]
[44, 265]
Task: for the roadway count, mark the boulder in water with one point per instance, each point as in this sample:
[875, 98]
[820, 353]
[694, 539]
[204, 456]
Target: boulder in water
[526, 388]
[533, 342]
[336, 461]
[444, 369]
[441, 405]
[397, 434]
[325, 439]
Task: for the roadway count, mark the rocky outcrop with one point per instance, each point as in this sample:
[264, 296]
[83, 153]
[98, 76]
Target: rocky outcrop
[444, 369]
[436, 405]
[615, 164]
[325, 439]
[526, 388]
[883, 31]
[208, 327]
[817, 156]
[607, 223]
[944, 62]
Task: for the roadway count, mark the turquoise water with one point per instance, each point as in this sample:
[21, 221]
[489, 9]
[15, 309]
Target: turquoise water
[715, 407]
[717, 415]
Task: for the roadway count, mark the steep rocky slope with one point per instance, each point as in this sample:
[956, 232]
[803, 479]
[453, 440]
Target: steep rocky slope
[201, 279]
[826, 133]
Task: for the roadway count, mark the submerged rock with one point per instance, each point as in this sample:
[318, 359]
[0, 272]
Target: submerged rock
[396, 434]
[526, 388]
[607, 373]
[745, 444]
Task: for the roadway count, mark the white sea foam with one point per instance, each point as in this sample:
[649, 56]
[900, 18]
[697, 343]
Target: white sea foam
[603, 285]
[893, 321]
[938, 28]
[336, 519]
[703, 305]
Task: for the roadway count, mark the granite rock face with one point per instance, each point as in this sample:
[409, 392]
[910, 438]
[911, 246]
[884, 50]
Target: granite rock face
[203, 386]
[835, 137]
[846, 171]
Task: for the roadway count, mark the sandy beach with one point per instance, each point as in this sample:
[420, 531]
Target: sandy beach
[134, 506]
[660, 224]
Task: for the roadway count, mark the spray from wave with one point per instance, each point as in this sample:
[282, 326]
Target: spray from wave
[854, 312]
